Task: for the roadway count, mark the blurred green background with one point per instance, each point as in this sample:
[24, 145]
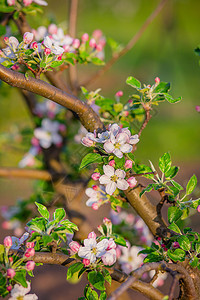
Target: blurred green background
[166, 50]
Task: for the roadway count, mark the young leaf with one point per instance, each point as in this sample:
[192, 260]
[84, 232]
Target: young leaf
[90, 158]
[59, 214]
[174, 227]
[177, 255]
[174, 213]
[97, 280]
[184, 242]
[191, 185]
[162, 87]
[170, 99]
[177, 185]
[133, 82]
[172, 172]
[42, 210]
[73, 269]
[165, 162]
[20, 277]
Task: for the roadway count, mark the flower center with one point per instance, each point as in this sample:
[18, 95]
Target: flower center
[114, 178]
[130, 259]
[94, 250]
[20, 298]
[117, 145]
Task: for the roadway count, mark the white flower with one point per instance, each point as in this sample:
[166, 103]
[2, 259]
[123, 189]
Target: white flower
[54, 48]
[19, 292]
[81, 133]
[95, 195]
[120, 141]
[113, 179]
[93, 250]
[40, 33]
[60, 39]
[129, 259]
[109, 258]
[47, 108]
[100, 138]
[48, 133]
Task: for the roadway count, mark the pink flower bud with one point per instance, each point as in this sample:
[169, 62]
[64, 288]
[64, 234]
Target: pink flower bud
[92, 43]
[74, 246]
[59, 58]
[132, 182]
[111, 163]
[130, 101]
[92, 235]
[76, 43]
[11, 2]
[197, 108]
[9, 288]
[15, 67]
[102, 42]
[111, 244]
[126, 113]
[128, 164]
[30, 265]
[95, 176]
[86, 262]
[157, 80]
[106, 221]
[6, 40]
[66, 48]
[28, 37]
[34, 45]
[119, 94]
[27, 2]
[100, 229]
[29, 252]
[95, 187]
[87, 142]
[99, 47]
[52, 29]
[198, 208]
[11, 273]
[97, 34]
[85, 37]
[30, 245]
[159, 238]
[47, 51]
[7, 242]
[95, 206]
[10, 259]
[176, 245]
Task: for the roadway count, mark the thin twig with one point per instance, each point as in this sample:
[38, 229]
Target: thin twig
[146, 121]
[130, 45]
[25, 173]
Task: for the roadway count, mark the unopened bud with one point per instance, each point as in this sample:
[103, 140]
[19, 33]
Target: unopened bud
[128, 164]
[47, 51]
[92, 43]
[92, 235]
[7, 242]
[76, 43]
[74, 246]
[85, 37]
[132, 182]
[30, 265]
[119, 94]
[95, 176]
[11, 273]
[157, 80]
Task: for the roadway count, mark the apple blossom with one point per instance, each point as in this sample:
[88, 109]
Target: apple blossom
[128, 164]
[93, 250]
[92, 235]
[157, 80]
[30, 265]
[85, 37]
[92, 43]
[129, 259]
[29, 252]
[74, 246]
[10, 273]
[30, 245]
[95, 176]
[47, 51]
[111, 244]
[34, 45]
[111, 163]
[7, 241]
[119, 94]
[57, 50]
[97, 34]
[9, 288]
[132, 182]
[109, 258]
[197, 108]
[19, 292]
[113, 179]
[97, 196]
[76, 43]
[86, 262]
[95, 206]
[41, 2]
[52, 29]
[28, 37]
[27, 2]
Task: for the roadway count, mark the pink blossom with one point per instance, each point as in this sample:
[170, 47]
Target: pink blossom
[11, 2]
[92, 235]
[197, 108]
[59, 58]
[52, 29]
[119, 94]
[87, 142]
[76, 43]
[95, 187]
[99, 47]
[30, 265]
[106, 220]
[47, 51]
[85, 37]
[86, 262]
[29, 252]
[128, 164]
[157, 80]
[132, 182]
[15, 67]
[11, 273]
[95, 206]
[7, 241]
[92, 43]
[111, 244]
[126, 113]
[9, 288]
[6, 40]
[198, 208]
[28, 37]
[34, 45]
[97, 34]
[30, 245]
[111, 163]
[109, 258]
[95, 176]
[10, 259]
[102, 41]
[74, 246]
[27, 2]
[66, 48]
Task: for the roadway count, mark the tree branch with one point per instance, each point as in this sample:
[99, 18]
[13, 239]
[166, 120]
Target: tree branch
[89, 119]
[25, 173]
[130, 45]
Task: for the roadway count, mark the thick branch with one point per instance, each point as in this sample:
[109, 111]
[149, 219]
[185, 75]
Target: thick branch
[147, 212]
[25, 173]
[89, 119]
[130, 45]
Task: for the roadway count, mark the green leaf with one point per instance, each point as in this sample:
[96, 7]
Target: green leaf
[191, 185]
[147, 189]
[194, 263]
[59, 214]
[2, 30]
[97, 280]
[172, 172]
[165, 162]
[103, 296]
[162, 87]
[47, 239]
[120, 240]
[107, 276]
[174, 213]
[90, 158]
[184, 242]
[170, 99]
[42, 210]
[20, 277]
[1, 249]
[119, 162]
[174, 227]
[153, 257]
[177, 255]
[91, 294]
[133, 82]
[73, 269]
[6, 9]
[97, 61]
[177, 185]
[197, 248]
[55, 64]
[118, 107]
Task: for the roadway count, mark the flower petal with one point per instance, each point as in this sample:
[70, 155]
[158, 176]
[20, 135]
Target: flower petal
[118, 153]
[122, 138]
[108, 170]
[109, 147]
[134, 139]
[111, 187]
[90, 243]
[104, 179]
[126, 148]
[122, 184]
[120, 173]
[84, 252]
[90, 192]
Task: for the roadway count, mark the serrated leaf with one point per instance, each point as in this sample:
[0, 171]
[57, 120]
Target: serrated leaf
[162, 87]
[170, 99]
[90, 158]
[174, 228]
[165, 162]
[42, 210]
[184, 242]
[73, 269]
[174, 213]
[177, 185]
[133, 82]
[59, 214]
[97, 280]
[191, 185]
[177, 255]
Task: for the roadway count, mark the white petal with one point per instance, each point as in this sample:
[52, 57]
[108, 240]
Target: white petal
[90, 192]
[41, 2]
[111, 187]
[84, 252]
[101, 247]
[45, 143]
[120, 173]
[109, 147]
[122, 138]
[122, 184]
[118, 153]
[47, 42]
[90, 243]
[92, 258]
[108, 170]
[56, 138]
[115, 129]
[104, 179]
[134, 139]
[126, 148]
[90, 201]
